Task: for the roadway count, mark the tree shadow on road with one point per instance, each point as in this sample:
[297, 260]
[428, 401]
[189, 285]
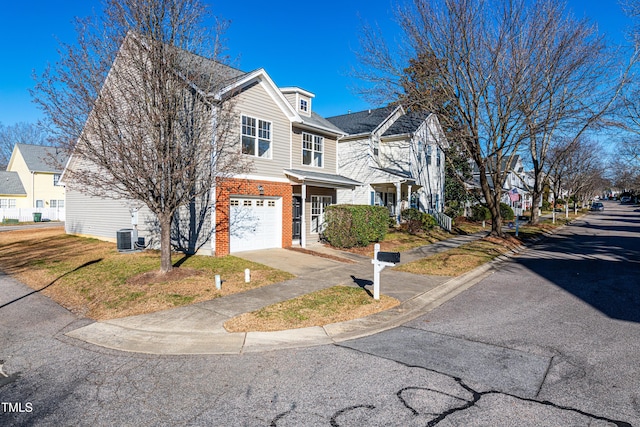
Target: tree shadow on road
[602, 270]
[86, 264]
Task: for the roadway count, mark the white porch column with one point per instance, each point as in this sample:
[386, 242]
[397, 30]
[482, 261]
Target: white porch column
[303, 223]
[398, 201]
[409, 195]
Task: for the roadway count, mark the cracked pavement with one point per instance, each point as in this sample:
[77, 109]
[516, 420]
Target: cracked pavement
[549, 339]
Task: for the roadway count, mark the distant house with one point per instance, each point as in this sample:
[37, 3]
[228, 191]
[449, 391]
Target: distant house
[397, 156]
[12, 192]
[517, 181]
[32, 181]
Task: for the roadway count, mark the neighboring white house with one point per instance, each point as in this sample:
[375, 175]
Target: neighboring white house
[396, 155]
[517, 181]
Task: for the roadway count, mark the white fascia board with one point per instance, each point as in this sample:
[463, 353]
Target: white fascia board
[355, 136]
[294, 89]
[252, 177]
[441, 138]
[313, 127]
[399, 107]
[263, 78]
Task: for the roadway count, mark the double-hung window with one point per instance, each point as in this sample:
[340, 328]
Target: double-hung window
[318, 205]
[256, 137]
[7, 203]
[312, 150]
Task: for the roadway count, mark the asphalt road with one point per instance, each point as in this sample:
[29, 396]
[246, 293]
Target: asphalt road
[552, 338]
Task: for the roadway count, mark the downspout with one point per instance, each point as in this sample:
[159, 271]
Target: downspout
[33, 190]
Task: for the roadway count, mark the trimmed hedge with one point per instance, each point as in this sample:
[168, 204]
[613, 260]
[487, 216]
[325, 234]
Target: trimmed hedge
[482, 213]
[506, 212]
[355, 225]
[417, 221]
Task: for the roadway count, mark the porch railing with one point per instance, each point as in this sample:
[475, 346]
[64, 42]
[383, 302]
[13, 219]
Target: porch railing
[443, 220]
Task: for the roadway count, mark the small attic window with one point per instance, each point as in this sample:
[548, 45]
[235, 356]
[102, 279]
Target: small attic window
[304, 105]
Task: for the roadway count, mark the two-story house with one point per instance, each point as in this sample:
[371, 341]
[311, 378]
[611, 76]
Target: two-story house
[280, 199]
[281, 202]
[32, 181]
[396, 155]
[516, 181]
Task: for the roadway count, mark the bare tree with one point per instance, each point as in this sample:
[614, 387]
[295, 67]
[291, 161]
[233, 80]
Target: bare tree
[571, 96]
[498, 71]
[136, 103]
[576, 171]
[19, 133]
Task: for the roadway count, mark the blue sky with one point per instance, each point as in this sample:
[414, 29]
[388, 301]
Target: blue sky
[305, 44]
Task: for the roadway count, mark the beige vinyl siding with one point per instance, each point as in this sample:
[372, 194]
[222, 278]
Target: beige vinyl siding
[329, 155]
[256, 102]
[102, 218]
[291, 97]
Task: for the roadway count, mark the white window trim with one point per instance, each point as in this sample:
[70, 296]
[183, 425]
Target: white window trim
[319, 202]
[304, 105]
[257, 138]
[313, 150]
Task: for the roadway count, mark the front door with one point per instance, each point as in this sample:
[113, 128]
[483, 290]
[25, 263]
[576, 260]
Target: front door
[297, 217]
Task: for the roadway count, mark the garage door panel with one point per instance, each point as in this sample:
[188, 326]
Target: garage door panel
[255, 224]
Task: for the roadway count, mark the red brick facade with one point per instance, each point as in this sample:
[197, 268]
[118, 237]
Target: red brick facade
[245, 187]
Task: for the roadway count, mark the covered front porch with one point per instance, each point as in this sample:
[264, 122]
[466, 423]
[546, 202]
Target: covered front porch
[312, 193]
[396, 196]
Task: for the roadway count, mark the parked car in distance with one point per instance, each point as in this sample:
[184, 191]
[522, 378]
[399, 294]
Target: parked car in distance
[597, 206]
[625, 199]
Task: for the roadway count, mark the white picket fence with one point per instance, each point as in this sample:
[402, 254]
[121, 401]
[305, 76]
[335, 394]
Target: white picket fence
[26, 214]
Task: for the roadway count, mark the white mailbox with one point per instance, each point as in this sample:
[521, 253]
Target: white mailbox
[380, 261]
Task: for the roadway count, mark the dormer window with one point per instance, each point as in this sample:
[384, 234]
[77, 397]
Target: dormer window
[304, 105]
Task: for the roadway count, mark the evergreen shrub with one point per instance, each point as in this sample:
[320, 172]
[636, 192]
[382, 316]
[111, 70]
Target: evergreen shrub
[355, 225]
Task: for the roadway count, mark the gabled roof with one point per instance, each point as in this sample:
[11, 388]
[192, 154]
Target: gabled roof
[40, 158]
[407, 123]
[207, 74]
[10, 184]
[369, 120]
[363, 121]
[261, 76]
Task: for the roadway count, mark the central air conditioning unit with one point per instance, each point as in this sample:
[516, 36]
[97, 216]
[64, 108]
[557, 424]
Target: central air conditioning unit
[126, 239]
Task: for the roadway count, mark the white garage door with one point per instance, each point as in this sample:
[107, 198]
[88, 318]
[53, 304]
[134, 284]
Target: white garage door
[255, 223]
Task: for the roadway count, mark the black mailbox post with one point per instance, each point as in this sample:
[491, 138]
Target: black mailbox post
[392, 257]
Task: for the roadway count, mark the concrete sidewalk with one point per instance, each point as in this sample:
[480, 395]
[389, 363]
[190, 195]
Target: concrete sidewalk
[198, 328]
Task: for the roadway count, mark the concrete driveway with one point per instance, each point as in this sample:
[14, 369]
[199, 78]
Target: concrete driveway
[294, 262]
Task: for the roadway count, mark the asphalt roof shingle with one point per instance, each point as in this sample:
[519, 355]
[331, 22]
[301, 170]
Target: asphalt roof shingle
[10, 184]
[362, 121]
[40, 158]
[367, 121]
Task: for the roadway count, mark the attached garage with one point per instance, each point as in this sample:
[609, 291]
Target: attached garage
[255, 223]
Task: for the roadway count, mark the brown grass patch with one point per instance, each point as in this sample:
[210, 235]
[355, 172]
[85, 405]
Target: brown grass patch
[462, 259]
[400, 241]
[91, 278]
[332, 305]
